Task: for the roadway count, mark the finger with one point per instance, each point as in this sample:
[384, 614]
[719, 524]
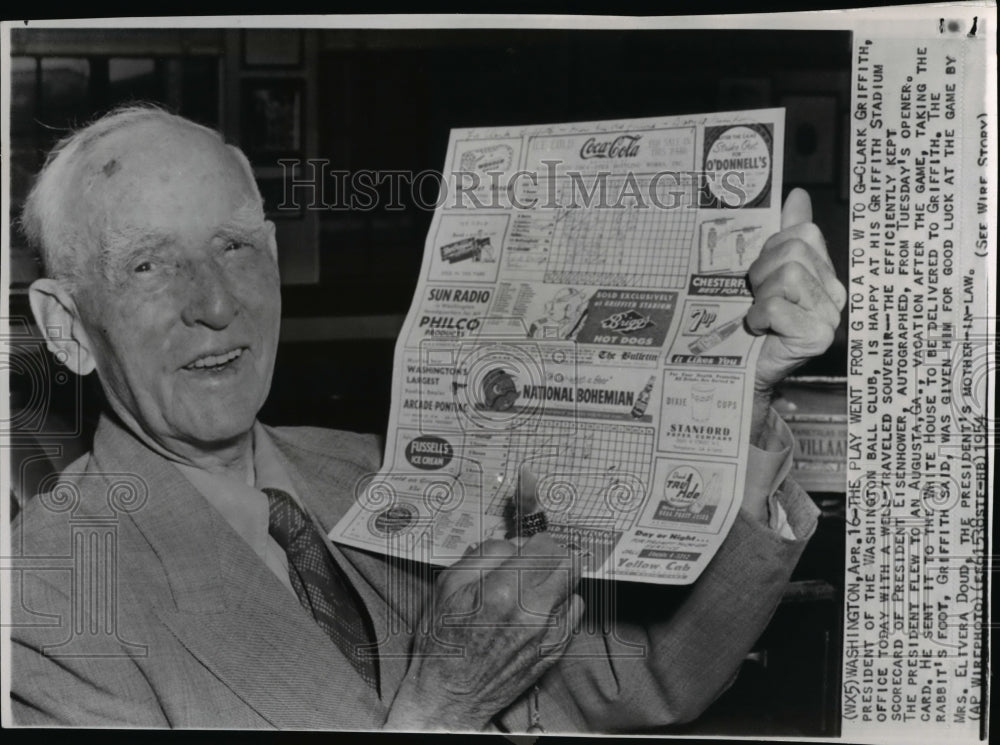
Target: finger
[789, 321]
[797, 209]
[554, 580]
[477, 561]
[525, 503]
[575, 608]
[538, 552]
[471, 550]
[550, 571]
[568, 617]
[556, 583]
[495, 548]
[808, 232]
[491, 552]
[797, 284]
[797, 250]
[543, 544]
[793, 249]
[797, 220]
[544, 572]
[766, 313]
[504, 594]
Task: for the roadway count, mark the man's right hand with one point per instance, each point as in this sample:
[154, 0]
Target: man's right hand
[496, 621]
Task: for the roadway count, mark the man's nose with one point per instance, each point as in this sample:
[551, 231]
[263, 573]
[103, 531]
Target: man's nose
[210, 302]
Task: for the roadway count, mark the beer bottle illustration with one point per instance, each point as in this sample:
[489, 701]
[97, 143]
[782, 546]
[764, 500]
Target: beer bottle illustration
[642, 400]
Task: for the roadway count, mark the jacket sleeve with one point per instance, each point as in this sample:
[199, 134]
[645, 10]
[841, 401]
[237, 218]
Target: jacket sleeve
[665, 653]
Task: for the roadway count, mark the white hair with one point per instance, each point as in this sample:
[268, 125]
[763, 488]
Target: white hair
[58, 241]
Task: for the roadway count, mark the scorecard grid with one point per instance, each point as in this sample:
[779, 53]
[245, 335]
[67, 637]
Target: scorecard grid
[589, 459]
[624, 246]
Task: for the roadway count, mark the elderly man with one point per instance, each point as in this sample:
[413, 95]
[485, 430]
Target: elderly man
[161, 275]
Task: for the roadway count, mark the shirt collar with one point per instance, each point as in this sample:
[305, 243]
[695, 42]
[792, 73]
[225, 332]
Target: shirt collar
[268, 464]
[242, 505]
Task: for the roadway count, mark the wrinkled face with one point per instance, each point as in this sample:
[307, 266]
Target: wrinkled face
[182, 303]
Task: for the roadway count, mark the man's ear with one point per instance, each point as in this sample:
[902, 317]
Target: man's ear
[272, 241]
[58, 319]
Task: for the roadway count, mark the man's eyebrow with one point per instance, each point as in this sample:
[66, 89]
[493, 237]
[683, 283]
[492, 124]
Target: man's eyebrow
[119, 247]
[244, 220]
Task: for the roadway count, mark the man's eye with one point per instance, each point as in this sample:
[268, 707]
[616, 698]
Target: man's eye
[236, 245]
[143, 267]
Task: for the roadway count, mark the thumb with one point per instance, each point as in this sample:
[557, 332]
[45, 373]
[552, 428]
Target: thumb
[797, 209]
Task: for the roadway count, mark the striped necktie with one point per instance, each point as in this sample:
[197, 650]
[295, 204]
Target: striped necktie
[321, 585]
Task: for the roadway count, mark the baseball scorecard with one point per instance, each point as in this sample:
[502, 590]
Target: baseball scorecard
[580, 312]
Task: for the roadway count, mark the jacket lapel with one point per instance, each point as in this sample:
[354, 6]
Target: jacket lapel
[392, 593]
[227, 608]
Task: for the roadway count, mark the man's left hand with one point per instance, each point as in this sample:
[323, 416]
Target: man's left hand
[797, 300]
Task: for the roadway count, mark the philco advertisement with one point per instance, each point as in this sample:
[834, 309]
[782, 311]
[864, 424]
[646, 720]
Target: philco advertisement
[451, 312]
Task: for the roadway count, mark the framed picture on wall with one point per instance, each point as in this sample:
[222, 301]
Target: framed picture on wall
[810, 129]
[271, 125]
[272, 48]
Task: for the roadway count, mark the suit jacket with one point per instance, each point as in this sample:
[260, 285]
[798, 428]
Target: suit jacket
[137, 604]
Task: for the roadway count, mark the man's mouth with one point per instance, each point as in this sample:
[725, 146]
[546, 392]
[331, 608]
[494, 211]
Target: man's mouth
[212, 362]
